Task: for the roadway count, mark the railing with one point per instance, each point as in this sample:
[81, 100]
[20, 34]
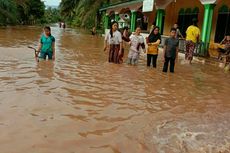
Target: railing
[197, 51]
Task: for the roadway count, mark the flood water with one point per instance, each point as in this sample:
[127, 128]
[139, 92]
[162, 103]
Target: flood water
[80, 103]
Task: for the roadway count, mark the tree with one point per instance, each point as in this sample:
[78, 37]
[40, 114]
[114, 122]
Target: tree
[81, 12]
[34, 10]
[52, 15]
[30, 10]
[67, 8]
[25, 12]
[8, 11]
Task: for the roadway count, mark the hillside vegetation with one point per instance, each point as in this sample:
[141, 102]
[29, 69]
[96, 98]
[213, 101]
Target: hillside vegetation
[83, 13]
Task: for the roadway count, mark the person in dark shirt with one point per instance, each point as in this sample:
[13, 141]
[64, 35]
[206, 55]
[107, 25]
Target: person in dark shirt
[170, 51]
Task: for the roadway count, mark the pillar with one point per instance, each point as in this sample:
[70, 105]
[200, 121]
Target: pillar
[106, 21]
[117, 16]
[133, 20]
[159, 20]
[207, 27]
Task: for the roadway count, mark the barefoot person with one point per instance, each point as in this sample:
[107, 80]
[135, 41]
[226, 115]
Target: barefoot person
[114, 39]
[47, 45]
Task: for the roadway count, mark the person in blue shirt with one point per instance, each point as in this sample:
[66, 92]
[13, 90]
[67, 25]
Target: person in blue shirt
[47, 45]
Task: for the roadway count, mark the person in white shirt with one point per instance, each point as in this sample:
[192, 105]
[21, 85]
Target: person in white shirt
[114, 39]
[136, 43]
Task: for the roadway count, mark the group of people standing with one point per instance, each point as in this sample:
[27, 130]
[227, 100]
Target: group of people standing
[114, 40]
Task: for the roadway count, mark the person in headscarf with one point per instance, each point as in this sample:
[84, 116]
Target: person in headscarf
[153, 41]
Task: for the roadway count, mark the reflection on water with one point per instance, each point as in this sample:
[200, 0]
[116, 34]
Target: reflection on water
[45, 69]
[81, 104]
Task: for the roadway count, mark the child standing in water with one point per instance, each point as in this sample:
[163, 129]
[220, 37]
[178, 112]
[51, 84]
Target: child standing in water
[170, 51]
[114, 39]
[136, 41]
[47, 45]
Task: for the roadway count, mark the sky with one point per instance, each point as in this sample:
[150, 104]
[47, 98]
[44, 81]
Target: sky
[52, 2]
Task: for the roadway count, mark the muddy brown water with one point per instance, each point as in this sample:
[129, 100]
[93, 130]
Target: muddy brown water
[80, 103]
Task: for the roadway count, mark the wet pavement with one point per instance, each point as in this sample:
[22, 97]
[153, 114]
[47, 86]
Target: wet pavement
[80, 103]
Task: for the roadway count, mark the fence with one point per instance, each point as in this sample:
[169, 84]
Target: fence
[197, 51]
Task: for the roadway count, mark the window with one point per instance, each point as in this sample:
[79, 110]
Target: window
[185, 18]
[223, 23]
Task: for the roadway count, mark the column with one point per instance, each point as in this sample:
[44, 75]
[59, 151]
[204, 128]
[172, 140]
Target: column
[159, 21]
[133, 20]
[207, 27]
[117, 16]
[106, 21]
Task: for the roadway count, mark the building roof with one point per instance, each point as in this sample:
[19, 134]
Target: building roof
[121, 4]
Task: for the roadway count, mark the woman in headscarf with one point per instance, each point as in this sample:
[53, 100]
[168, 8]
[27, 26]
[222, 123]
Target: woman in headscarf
[153, 41]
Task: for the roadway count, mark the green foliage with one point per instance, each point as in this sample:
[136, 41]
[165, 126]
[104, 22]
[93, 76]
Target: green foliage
[26, 12]
[36, 8]
[7, 12]
[52, 15]
[68, 8]
[81, 13]
[31, 11]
